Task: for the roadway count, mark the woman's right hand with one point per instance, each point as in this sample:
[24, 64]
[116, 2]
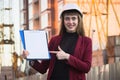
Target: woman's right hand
[25, 54]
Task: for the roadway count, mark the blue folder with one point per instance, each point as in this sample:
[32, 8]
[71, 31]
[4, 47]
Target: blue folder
[35, 41]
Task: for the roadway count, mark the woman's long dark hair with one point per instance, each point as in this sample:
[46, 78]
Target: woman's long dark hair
[80, 28]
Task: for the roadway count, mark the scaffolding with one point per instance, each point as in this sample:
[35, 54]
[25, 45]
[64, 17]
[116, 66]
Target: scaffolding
[97, 20]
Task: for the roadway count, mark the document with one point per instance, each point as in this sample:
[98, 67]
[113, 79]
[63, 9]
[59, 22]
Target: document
[35, 42]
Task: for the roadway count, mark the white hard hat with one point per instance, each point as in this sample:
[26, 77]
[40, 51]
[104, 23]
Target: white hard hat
[71, 6]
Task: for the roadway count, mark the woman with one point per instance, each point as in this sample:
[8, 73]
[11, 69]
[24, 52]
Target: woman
[71, 50]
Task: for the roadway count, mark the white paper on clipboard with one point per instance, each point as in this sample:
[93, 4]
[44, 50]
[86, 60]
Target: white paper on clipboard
[36, 43]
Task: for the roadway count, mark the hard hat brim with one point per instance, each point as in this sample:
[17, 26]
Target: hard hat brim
[72, 7]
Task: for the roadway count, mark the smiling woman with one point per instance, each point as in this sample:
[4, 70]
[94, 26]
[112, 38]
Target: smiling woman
[71, 50]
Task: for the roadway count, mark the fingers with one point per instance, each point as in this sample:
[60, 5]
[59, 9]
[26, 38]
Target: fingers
[59, 48]
[53, 52]
[25, 54]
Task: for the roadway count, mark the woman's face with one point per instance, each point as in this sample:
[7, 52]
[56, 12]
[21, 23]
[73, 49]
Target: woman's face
[71, 22]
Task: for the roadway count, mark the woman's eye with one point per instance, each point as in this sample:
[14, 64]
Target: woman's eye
[73, 18]
[67, 18]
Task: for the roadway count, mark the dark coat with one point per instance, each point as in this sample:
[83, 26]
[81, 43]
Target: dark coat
[79, 61]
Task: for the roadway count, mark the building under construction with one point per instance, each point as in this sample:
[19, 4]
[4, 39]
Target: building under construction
[101, 23]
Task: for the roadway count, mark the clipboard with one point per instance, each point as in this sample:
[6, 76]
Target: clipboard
[36, 43]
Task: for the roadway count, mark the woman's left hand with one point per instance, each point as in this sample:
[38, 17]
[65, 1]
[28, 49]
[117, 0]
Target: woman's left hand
[61, 55]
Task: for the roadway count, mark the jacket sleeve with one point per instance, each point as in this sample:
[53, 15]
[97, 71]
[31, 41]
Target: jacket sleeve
[84, 64]
[40, 66]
